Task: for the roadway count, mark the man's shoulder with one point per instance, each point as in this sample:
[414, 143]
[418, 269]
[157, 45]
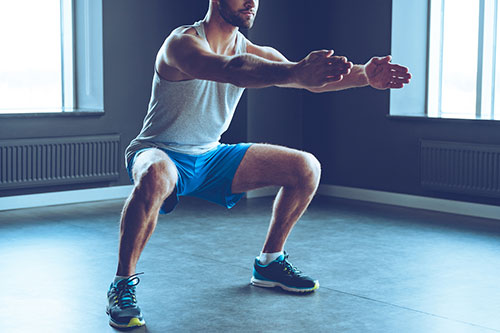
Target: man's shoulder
[180, 40]
[184, 30]
[181, 35]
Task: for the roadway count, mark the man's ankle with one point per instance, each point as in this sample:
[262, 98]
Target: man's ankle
[266, 258]
[118, 278]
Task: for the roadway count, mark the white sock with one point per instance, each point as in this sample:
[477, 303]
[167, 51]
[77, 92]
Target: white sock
[266, 258]
[119, 278]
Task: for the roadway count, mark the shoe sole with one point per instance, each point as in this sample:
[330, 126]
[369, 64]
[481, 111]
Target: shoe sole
[272, 284]
[133, 322]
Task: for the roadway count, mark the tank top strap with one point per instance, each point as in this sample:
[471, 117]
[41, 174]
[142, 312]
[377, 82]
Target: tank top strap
[200, 29]
[241, 45]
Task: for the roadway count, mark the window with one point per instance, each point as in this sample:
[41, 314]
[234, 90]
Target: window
[51, 59]
[462, 59]
[453, 57]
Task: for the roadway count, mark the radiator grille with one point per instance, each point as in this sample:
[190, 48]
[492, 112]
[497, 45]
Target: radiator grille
[58, 161]
[461, 167]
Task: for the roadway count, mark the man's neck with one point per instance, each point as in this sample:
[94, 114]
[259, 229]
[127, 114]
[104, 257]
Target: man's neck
[220, 35]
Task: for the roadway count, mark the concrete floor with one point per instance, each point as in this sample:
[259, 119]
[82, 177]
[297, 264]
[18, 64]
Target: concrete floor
[381, 269]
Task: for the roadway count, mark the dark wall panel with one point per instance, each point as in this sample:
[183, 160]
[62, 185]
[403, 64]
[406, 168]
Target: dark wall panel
[274, 114]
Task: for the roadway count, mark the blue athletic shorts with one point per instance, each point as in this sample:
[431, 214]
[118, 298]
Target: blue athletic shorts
[207, 176]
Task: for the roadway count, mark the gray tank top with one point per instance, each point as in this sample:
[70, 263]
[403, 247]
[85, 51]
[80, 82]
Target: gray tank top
[188, 116]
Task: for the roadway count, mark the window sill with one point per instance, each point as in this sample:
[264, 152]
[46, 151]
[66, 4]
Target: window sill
[438, 119]
[53, 114]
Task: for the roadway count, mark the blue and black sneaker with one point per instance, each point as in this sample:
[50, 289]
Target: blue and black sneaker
[122, 309]
[281, 273]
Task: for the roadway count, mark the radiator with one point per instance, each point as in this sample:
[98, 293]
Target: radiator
[58, 161]
[460, 167]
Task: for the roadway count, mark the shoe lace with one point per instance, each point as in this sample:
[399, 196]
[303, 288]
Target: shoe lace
[125, 291]
[289, 268]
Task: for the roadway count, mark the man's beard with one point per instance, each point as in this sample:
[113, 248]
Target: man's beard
[232, 17]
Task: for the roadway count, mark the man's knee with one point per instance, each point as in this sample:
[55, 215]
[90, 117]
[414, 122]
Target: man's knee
[156, 181]
[309, 169]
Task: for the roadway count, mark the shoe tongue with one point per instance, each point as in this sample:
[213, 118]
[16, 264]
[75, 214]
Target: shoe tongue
[280, 258]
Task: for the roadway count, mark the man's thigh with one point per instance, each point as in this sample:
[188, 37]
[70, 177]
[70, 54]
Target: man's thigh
[153, 159]
[267, 165]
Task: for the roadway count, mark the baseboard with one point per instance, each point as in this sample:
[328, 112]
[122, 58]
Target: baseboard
[65, 197]
[89, 195]
[412, 201]
[388, 198]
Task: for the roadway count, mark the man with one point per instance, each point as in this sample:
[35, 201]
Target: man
[201, 71]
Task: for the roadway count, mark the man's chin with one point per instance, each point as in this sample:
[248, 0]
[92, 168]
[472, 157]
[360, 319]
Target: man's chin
[246, 25]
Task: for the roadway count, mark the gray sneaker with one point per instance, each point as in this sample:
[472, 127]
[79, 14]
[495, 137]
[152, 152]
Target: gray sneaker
[122, 309]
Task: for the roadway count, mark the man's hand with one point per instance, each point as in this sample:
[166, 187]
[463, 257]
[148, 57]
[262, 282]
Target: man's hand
[381, 74]
[320, 68]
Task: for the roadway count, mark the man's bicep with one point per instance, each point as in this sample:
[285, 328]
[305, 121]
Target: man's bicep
[272, 54]
[266, 52]
[188, 54]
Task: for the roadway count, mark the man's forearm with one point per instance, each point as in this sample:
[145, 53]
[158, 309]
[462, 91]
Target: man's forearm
[251, 71]
[355, 79]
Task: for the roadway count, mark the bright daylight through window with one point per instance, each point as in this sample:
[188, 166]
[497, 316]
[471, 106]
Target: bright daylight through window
[463, 77]
[31, 75]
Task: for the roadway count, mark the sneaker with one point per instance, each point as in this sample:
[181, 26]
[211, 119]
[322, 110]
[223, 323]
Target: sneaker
[122, 309]
[281, 273]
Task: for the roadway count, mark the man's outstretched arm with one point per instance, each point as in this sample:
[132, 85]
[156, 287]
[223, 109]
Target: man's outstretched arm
[378, 73]
[194, 57]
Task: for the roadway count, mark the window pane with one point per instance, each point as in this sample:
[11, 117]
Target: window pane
[496, 96]
[488, 75]
[460, 48]
[30, 61]
[435, 49]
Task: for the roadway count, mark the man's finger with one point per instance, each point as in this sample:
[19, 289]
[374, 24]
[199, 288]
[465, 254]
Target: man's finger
[328, 53]
[321, 54]
[400, 80]
[402, 76]
[399, 68]
[340, 61]
[386, 59]
[334, 65]
[395, 85]
[339, 71]
[382, 60]
[333, 78]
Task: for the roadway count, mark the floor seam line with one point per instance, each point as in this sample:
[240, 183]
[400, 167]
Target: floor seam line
[410, 309]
